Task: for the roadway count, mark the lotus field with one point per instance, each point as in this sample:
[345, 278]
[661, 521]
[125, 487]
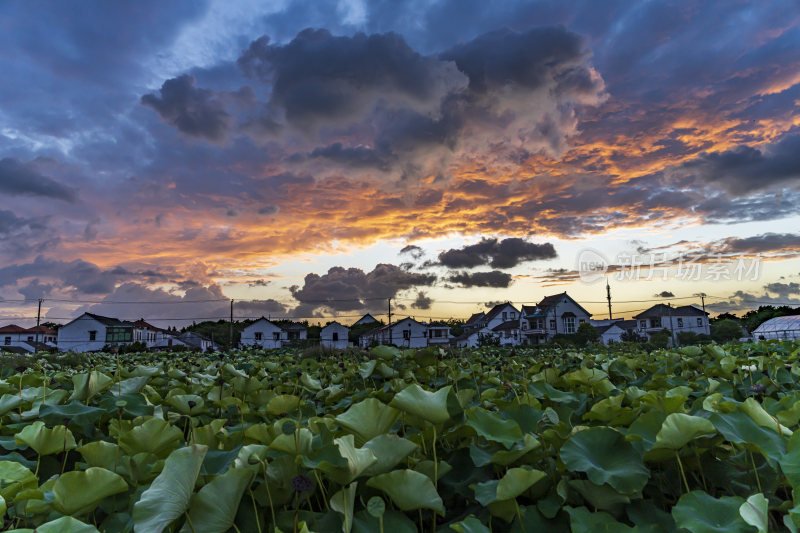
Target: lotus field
[695, 439]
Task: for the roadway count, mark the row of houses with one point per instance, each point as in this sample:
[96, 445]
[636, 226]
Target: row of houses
[531, 325]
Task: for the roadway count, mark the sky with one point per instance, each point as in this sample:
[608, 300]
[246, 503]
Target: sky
[313, 160]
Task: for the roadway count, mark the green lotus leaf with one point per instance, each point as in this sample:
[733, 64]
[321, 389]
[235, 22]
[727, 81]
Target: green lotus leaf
[86, 386]
[358, 460]
[606, 457]
[84, 490]
[368, 419]
[393, 521]
[169, 496]
[154, 436]
[739, 428]
[78, 413]
[469, 525]
[310, 383]
[218, 462]
[679, 429]
[492, 427]
[755, 511]
[602, 497]
[135, 404]
[691, 351]
[129, 386]
[409, 490]
[699, 512]
[435, 407]
[500, 456]
[386, 353]
[388, 450]
[9, 402]
[366, 368]
[14, 478]
[763, 418]
[282, 405]
[180, 402]
[65, 524]
[343, 502]
[101, 453]
[516, 481]
[214, 507]
[581, 520]
[3, 507]
[46, 441]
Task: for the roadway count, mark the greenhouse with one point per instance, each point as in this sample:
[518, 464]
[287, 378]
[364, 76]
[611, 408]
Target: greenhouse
[782, 327]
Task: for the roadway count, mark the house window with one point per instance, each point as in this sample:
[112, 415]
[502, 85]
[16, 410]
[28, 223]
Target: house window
[643, 324]
[118, 334]
[7, 341]
[335, 336]
[655, 322]
[699, 322]
[680, 322]
[406, 334]
[30, 338]
[505, 316]
[513, 315]
[569, 324]
[552, 323]
[438, 333]
[276, 335]
[92, 335]
[524, 325]
[259, 335]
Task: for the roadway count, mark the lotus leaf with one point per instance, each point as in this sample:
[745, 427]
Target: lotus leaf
[343, 502]
[409, 490]
[606, 457]
[78, 491]
[169, 496]
[14, 478]
[214, 507]
[492, 427]
[678, 429]
[46, 441]
[368, 419]
[154, 436]
[699, 512]
[435, 407]
[86, 386]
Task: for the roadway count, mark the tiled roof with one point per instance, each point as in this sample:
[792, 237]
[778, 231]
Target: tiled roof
[496, 311]
[665, 310]
[508, 324]
[474, 318]
[13, 328]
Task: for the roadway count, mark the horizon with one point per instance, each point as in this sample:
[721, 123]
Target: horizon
[313, 161]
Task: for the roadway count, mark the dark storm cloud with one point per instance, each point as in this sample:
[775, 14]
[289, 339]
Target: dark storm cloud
[494, 278]
[664, 294]
[746, 169]
[506, 253]
[352, 288]
[357, 157]
[10, 223]
[195, 112]
[321, 77]
[765, 243]
[413, 250]
[18, 178]
[741, 300]
[422, 301]
[783, 290]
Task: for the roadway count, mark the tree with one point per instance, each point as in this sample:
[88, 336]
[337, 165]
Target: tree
[487, 339]
[723, 316]
[586, 334]
[726, 330]
[661, 338]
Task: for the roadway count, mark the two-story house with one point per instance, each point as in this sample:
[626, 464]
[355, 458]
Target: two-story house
[405, 333]
[90, 332]
[674, 319]
[555, 314]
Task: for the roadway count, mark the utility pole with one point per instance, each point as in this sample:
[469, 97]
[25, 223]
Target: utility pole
[390, 320]
[230, 331]
[671, 329]
[38, 318]
[702, 296]
[608, 295]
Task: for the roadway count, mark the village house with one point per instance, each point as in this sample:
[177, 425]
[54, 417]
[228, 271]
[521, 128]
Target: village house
[366, 319]
[263, 333]
[502, 322]
[405, 333]
[610, 330]
[90, 333]
[196, 341]
[334, 336]
[14, 338]
[554, 315]
[685, 318]
[438, 333]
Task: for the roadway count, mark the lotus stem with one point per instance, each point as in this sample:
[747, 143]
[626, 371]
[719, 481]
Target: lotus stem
[683, 474]
[255, 510]
[755, 471]
[435, 465]
[189, 521]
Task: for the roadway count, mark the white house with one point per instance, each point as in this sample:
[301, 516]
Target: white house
[502, 321]
[555, 314]
[90, 332]
[294, 331]
[334, 336]
[405, 333]
[674, 319]
[610, 331]
[24, 339]
[438, 333]
[192, 339]
[263, 334]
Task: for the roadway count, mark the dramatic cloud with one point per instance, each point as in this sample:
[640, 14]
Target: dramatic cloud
[18, 178]
[495, 278]
[506, 253]
[195, 112]
[767, 243]
[783, 290]
[745, 169]
[422, 301]
[351, 288]
[413, 250]
[664, 294]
